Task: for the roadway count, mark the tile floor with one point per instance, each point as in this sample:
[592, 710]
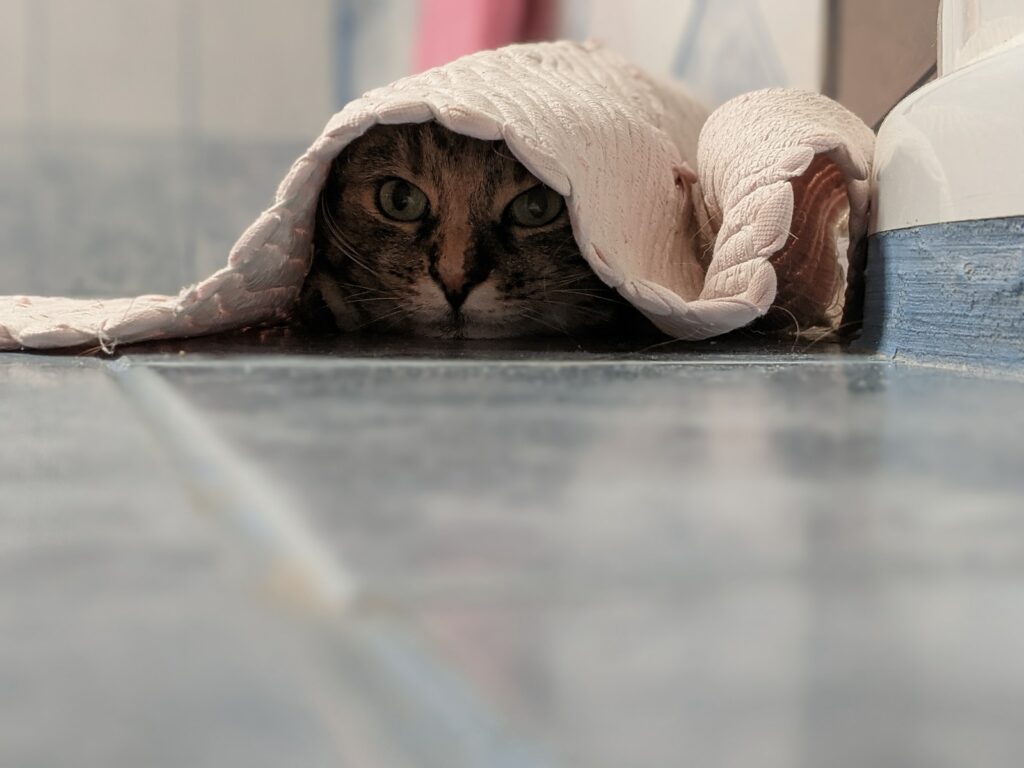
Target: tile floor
[258, 551]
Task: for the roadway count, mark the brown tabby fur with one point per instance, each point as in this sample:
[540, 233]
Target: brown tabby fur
[465, 269]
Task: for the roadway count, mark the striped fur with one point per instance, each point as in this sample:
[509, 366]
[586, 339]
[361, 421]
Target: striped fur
[466, 269]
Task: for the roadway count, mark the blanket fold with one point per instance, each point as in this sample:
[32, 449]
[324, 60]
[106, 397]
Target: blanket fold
[704, 224]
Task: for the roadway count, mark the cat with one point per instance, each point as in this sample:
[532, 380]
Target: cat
[423, 231]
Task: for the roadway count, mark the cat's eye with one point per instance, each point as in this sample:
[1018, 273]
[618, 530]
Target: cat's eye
[536, 207]
[401, 201]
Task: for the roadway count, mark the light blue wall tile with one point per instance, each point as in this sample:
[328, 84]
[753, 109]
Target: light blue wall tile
[107, 217]
[234, 181]
[17, 246]
[726, 50]
[721, 48]
[373, 44]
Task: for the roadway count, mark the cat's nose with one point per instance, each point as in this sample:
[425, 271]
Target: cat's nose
[458, 284]
[456, 296]
[459, 270]
[454, 285]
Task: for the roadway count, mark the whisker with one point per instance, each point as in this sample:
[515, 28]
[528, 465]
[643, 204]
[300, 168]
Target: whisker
[796, 323]
[587, 294]
[572, 280]
[359, 294]
[575, 307]
[660, 344]
[338, 239]
[372, 298]
[385, 316]
[536, 318]
[831, 334]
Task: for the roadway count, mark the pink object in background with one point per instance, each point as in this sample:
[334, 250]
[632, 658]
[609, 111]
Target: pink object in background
[452, 28]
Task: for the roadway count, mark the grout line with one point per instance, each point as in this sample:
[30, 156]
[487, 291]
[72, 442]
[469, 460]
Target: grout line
[37, 65]
[345, 363]
[343, 44]
[250, 504]
[189, 146]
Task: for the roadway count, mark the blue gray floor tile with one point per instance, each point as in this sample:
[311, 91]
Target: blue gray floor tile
[259, 551]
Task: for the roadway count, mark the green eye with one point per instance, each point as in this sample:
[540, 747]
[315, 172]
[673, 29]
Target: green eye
[536, 207]
[401, 201]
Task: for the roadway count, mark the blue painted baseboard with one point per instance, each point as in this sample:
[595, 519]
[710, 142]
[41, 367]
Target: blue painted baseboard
[948, 293]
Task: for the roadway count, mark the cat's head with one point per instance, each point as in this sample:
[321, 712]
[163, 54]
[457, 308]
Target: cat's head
[421, 230]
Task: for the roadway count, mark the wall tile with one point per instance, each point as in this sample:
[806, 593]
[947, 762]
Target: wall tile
[647, 31]
[265, 68]
[719, 47]
[13, 18]
[16, 232]
[797, 29]
[107, 217]
[726, 50]
[382, 41]
[113, 65]
[233, 181]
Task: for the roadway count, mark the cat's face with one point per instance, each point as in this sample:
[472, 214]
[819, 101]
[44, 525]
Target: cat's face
[421, 230]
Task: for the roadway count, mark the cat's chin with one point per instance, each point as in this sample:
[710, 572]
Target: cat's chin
[471, 330]
[473, 326]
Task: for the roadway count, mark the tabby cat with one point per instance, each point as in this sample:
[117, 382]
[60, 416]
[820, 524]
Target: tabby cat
[424, 231]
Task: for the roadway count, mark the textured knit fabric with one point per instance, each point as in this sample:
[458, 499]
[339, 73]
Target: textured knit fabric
[646, 204]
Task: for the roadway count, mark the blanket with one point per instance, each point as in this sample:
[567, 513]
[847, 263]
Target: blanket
[703, 222]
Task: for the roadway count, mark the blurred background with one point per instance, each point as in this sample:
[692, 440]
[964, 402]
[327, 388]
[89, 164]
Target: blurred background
[138, 139]
[552, 564]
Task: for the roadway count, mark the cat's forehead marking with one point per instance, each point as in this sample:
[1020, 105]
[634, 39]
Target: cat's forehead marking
[432, 153]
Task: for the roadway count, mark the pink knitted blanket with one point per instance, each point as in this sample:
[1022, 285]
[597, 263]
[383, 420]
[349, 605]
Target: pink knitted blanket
[703, 223]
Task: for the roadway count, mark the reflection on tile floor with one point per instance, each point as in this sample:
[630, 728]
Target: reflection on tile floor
[562, 554]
